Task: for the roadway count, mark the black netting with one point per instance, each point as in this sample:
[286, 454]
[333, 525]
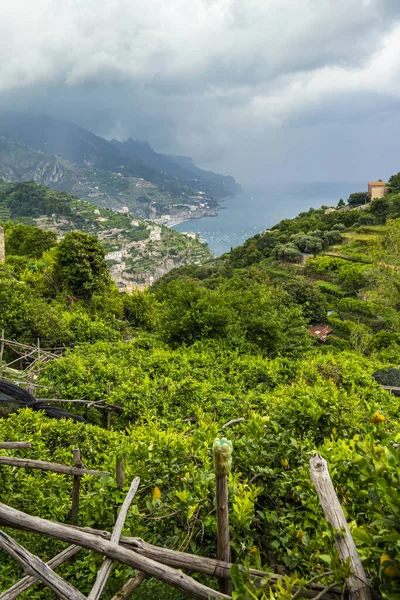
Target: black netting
[14, 397]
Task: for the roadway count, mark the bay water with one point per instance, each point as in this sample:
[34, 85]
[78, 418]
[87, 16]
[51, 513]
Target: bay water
[261, 207]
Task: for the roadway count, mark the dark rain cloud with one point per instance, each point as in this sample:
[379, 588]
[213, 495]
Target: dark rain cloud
[242, 85]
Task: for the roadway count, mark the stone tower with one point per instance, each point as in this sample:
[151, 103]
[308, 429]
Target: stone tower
[2, 246]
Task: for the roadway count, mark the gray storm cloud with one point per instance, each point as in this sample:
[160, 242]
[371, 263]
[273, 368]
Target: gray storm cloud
[213, 78]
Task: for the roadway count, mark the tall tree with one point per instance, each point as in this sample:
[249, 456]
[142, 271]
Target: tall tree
[25, 240]
[81, 266]
[380, 209]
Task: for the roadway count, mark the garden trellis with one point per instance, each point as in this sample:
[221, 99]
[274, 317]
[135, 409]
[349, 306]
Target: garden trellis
[29, 358]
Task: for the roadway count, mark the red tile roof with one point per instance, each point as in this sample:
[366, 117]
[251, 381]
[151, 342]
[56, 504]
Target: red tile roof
[376, 183]
[320, 331]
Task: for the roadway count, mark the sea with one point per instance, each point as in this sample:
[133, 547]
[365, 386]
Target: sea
[260, 207]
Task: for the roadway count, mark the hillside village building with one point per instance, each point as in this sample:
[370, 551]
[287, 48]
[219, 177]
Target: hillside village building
[117, 255]
[377, 189]
[320, 332]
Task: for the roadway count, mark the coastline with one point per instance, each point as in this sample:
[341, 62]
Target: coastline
[257, 209]
[174, 220]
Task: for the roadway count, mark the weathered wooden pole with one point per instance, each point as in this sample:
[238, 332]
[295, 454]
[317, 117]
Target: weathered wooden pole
[24, 584]
[28, 463]
[127, 589]
[1, 348]
[105, 569]
[357, 581]
[120, 479]
[76, 487]
[11, 445]
[119, 472]
[178, 579]
[35, 567]
[108, 412]
[222, 454]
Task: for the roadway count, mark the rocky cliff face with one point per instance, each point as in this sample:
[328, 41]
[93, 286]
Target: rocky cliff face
[132, 158]
[21, 163]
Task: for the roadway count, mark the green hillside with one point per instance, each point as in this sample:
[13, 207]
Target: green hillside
[228, 348]
[137, 252]
[104, 188]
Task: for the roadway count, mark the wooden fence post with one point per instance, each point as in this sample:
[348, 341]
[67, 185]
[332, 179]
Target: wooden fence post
[119, 478]
[222, 455]
[108, 412]
[357, 581]
[1, 349]
[76, 487]
[31, 387]
[119, 472]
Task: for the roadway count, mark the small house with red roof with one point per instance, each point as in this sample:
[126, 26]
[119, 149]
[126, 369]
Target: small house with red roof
[320, 332]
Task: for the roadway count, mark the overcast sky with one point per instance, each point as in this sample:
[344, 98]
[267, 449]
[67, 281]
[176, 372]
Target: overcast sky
[265, 90]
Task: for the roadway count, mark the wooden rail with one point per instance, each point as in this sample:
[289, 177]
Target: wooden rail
[12, 445]
[38, 569]
[390, 388]
[111, 550]
[25, 583]
[28, 463]
[163, 563]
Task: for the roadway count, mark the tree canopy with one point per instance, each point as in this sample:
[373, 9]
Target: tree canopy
[81, 265]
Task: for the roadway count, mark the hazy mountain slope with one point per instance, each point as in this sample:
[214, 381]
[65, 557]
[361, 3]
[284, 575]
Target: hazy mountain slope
[135, 159]
[21, 163]
[182, 167]
[104, 188]
[137, 252]
[70, 141]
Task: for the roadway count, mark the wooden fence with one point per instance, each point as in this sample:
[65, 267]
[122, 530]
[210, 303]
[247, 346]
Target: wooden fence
[30, 357]
[31, 360]
[164, 564]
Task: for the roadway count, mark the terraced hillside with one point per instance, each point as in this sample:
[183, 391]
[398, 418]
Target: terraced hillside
[137, 252]
[115, 190]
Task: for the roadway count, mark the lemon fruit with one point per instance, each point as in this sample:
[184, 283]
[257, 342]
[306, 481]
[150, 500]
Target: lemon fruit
[391, 571]
[157, 493]
[377, 417]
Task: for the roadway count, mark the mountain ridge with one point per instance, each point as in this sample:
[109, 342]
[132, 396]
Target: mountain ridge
[182, 167]
[81, 146]
[103, 188]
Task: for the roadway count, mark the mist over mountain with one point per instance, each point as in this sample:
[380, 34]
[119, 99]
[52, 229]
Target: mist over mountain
[131, 158]
[181, 167]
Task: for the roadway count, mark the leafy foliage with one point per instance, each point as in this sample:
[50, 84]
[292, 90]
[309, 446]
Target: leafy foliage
[207, 344]
[80, 264]
[358, 198]
[23, 240]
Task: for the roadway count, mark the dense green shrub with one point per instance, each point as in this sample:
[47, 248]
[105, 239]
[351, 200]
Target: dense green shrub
[81, 266]
[275, 516]
[24, 240]
[208, 344]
